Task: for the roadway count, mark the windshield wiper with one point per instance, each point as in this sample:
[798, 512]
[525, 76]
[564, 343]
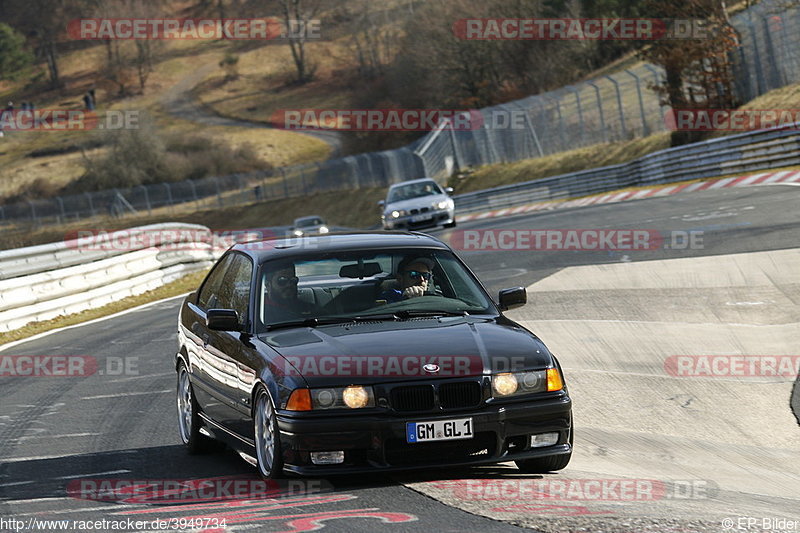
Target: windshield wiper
[412, 314]
[308, 323]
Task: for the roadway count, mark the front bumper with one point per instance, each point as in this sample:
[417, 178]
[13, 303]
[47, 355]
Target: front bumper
[378, 442]
[438, 218]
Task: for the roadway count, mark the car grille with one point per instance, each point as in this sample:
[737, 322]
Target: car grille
[420, 210]
[419, 398]
[400, 453]
[458, 395]
[461, 394]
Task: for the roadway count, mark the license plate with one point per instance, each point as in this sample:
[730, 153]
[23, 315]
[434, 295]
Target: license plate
[420, 218]
[439, 430]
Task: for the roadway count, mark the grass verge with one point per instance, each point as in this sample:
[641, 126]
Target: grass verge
[180, 286]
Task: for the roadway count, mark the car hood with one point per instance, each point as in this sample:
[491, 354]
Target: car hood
[416, 203]
[387, 351]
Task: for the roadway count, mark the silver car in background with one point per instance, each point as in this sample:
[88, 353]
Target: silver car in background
[310, 225]
[417, 204]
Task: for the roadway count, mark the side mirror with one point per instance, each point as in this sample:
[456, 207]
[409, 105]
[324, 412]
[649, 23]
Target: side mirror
[223, 320]
[381, 203]
[448, 190]
[513, 298]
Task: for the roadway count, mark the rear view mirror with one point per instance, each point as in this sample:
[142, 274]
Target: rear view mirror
[223, 320]
[513, 298]
[381, 203]
[448, 190]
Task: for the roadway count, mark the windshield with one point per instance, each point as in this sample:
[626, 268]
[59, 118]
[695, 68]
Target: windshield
[305, 222]
[413, 190]
[383, 284]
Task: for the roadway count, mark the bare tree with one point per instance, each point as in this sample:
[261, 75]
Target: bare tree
[297, 17]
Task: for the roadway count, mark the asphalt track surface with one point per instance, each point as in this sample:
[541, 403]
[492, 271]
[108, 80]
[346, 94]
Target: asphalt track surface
[121, 425]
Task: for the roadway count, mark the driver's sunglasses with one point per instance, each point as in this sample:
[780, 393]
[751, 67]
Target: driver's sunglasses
[417, 274]
[286, 280]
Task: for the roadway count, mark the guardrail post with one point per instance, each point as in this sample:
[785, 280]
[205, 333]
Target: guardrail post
[645, 129]
[600, 109]
[285, 183]
[619, 105]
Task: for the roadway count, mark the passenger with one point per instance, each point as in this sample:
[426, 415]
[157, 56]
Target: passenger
[413, 276]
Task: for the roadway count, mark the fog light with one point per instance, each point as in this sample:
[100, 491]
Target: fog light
[543, 439]
[327, 458]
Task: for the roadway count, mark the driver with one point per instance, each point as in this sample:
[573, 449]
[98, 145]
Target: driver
[413, 276]
[281, 293]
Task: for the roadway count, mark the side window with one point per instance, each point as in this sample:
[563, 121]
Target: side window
[237, 286]
[209, 293]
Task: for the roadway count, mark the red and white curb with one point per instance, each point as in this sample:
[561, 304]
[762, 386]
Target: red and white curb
[764, 178]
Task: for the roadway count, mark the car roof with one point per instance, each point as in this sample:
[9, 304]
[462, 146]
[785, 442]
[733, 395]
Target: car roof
[421, 180]
[288, 247]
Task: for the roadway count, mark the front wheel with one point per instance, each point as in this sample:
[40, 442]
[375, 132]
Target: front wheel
[267, 438]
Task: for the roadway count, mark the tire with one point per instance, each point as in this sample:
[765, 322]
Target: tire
[451, 225]
[188, 415]
[541, 465]
[267, 439]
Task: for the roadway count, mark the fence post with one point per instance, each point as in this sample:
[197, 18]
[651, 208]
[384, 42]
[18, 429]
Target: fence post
[531, 129]
[600, 109]
[619, 105]
[34, 218]
[561, 130]
[147, 200]
[657, 80]
[61, 208]
[580, 112]
[454, 144]
[194, 190]
[645, 129]
[91, 204]
[169, 196]
[219, 194]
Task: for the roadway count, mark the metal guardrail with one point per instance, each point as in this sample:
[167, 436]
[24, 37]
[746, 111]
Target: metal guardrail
[744, 152]
[42, 282]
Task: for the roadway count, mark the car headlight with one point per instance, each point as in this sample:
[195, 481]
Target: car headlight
[398, 213]
[508, 383]
[444, 204]
[298, 233]
[323, 229]
[353, 397]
